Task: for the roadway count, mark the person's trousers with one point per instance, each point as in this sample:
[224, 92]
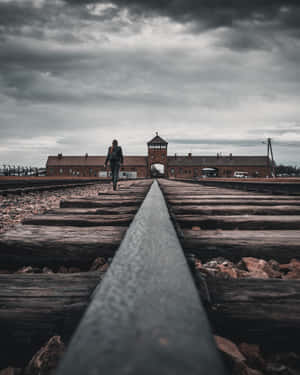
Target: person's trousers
[115, 167]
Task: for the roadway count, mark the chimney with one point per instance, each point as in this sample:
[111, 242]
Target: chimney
[86, 155]
[175, 156]
[190, 155]
[59, 155]
[218, 155]
[230, 156]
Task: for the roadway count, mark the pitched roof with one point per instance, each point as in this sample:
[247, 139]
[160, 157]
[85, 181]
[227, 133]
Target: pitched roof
[221, 161]
[157, 140]
[90, 161]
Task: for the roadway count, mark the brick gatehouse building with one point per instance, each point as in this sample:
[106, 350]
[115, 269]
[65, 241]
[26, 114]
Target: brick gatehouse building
[176, 166]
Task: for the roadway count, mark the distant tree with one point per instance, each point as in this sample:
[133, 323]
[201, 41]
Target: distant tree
[287, 170]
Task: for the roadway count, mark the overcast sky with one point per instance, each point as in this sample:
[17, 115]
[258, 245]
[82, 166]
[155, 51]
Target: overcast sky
[209, 75]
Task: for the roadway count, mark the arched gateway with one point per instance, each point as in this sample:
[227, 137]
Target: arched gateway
[157, 170]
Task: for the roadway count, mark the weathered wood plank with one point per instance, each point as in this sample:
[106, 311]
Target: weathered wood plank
[118, 197]
[204, 198]
[122, 193]
[80, 220]
[245, 197]
[93, 203]
[235, 210]
[234, 244]
[93, 211]
[193, 188]
[194, 194]
[247, 222]
[253, 310]
[233, 202]
[48, 245]
[34, 307]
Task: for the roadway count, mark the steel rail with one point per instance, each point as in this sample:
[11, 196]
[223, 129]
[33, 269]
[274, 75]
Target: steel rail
[146, 316]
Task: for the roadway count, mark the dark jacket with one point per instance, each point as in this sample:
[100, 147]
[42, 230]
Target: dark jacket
[114, 154]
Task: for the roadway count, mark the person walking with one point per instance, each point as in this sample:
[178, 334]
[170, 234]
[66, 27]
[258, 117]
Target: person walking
[115, 159]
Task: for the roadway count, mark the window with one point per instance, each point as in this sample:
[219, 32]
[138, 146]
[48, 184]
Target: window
[172, 170]
[70, 171]
[180, 170]
[157, 147]
[60, 170]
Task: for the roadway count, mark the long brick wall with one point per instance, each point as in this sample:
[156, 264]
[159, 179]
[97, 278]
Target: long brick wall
[86, 171]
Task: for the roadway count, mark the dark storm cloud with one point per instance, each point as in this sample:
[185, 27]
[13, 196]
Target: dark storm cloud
[250, 25]
[15, 14]
[29, 19]
[40, 57]
[42, 94]
[212, 13]
[38, 73]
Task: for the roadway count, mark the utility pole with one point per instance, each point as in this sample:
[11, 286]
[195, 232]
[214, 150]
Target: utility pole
[270, 154]
[272, 157]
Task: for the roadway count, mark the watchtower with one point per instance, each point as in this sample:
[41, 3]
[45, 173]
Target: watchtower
[157, 155]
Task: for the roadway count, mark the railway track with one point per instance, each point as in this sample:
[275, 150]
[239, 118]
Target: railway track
[144, 314]
[23, 186]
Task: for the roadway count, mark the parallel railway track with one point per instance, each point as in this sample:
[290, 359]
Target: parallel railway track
[145, 316]
[23, 186]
